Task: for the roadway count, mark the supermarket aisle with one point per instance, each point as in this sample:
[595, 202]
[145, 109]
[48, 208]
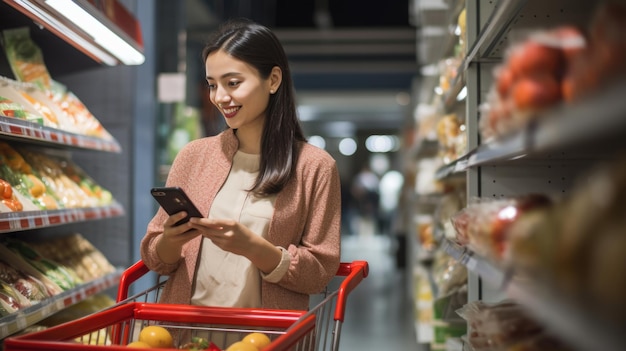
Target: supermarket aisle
[379, 312]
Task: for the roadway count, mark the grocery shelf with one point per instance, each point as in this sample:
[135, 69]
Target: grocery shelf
[25, 220]
[457, 166]
[33, 132]
[495, 27]
[598, 118]
[29, 316]
[575, 323]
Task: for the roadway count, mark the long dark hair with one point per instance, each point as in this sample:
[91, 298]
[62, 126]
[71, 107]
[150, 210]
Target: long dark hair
[259, 47]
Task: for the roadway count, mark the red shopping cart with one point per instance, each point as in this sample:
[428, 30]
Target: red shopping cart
[319, 328]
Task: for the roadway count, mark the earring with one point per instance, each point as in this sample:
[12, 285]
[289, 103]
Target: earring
[272, 91]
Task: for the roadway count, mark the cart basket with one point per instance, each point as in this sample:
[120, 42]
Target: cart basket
[112, 329]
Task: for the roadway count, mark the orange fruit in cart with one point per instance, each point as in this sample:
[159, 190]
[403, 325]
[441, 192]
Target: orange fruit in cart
[259, 340]
[242, 346]
[156, 336]
[139, 344]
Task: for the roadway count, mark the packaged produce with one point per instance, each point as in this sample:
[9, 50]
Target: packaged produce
[448, 274]
[529, 80]
[549, 67]
[13, 104]
[19, 263]
[452, 138]
[505, 326]
[577, 247]
[102, 196]
[601, 62]
[76, 253]
[11, 300]
[30, 287]
[25, 57]
[19, 173]
[28, 65]
[8, 197]
[62, 276]
[79, 118]
[68, 193]
[483, 225]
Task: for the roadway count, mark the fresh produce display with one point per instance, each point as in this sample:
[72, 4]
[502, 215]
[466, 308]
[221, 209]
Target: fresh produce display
[54, 103]
[8, 197]
[11, 300]
[601, 61]
[76, 253]
[25, 57]
[35, 276]
[67, 192]
[65, 278]
[19, 174]
[452, 138]
[483, 225]
[578, 247]
[529, 81]
[49, 181]
[81, 119]
[30, 287]
[52, 117]
[9, 108]
[554, 66]
[102, 196]
[21, 265]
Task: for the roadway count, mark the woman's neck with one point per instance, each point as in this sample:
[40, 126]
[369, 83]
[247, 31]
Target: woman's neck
[249, 141]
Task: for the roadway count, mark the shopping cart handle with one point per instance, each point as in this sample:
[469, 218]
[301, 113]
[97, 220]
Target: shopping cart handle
[129, 276]
[354, 272]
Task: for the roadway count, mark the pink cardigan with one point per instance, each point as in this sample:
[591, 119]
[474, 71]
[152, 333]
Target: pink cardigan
[306, 221]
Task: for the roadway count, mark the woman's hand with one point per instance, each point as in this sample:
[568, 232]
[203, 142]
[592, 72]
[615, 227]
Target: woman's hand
[232, 236]
[174, 237]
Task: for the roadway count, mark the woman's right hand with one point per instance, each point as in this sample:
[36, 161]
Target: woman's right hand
[173, 238]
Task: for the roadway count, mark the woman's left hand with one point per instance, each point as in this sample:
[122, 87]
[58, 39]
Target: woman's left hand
[232, 236]
[227, 234]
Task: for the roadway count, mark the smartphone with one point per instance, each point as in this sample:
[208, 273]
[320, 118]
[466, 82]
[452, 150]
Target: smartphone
[174, 200]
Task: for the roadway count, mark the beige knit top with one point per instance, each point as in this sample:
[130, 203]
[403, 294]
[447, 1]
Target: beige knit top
[306, 221]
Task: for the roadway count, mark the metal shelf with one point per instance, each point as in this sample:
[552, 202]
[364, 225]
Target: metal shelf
[33, 132]
[29, 316]
[567, 126]
[496, 26]
[574, 323]
[25, 220]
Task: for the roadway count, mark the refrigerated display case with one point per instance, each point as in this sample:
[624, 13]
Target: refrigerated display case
[63, 57]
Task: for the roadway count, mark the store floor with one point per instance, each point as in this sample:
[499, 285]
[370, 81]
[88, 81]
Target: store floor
[379, 311]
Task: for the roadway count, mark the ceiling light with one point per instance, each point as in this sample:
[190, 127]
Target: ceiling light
[69, 19]
[347, 146]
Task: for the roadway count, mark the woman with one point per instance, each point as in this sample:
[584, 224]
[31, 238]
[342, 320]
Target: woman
[272, 234]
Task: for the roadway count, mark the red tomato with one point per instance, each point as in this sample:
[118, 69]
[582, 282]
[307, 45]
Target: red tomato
[536, 92]
[531, 58]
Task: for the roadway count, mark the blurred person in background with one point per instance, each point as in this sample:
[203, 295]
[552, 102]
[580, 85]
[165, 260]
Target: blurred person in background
[366, 196]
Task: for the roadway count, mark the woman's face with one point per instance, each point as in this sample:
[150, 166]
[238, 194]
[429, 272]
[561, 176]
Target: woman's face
[238, 91]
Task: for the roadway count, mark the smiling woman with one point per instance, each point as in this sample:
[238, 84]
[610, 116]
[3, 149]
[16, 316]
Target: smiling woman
[271, 235]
